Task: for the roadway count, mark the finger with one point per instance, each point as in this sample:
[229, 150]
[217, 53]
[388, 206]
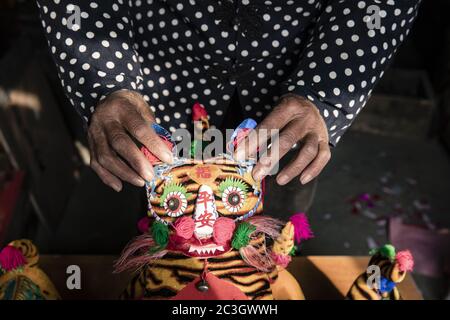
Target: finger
[317, 165]
[111, 162]
[106, 177]
[121, 142]
[147, 114]
[244, 148]
[277, 119]
[280, 145]
[142, 131]
[308, 153]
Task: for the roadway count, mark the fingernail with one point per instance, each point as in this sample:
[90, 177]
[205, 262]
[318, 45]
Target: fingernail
[258, 175]
[116, 187]
[168, 157]
[140, 182]
[305, 179]
[239, 154]
[148, 176]
[265, 161]
[282, 179]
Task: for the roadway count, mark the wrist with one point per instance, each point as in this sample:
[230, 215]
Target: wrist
[128, 95]
[125, 97]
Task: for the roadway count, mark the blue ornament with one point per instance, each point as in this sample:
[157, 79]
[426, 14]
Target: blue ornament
[386, 285]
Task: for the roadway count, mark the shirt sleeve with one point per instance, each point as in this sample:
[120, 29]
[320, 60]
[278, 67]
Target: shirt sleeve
[93, 48]
[347, 52]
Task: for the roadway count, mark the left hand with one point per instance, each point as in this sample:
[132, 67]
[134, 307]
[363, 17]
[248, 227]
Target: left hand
[298, 121]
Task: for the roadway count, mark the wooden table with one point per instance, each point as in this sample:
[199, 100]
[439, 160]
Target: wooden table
[321, 277]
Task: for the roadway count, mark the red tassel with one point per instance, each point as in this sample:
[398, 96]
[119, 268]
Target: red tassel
[302, 230]
[281, 259]
[199, 112]
[11, 258]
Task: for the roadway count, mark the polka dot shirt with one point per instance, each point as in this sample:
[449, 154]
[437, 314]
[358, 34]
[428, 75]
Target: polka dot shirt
[177, 52]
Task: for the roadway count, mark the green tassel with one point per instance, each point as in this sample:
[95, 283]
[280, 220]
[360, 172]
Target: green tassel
[293, 251]
[241, 237]
[387, 251]
[196, 145]
[160, 233]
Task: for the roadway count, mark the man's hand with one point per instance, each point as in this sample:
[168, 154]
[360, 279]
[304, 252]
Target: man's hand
[120, 118]
[298, 121]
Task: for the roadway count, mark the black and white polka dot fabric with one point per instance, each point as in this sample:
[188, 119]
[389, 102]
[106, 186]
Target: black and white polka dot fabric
[177, 52]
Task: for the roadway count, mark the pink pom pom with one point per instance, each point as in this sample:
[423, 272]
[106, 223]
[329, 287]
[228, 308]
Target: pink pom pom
[302, 230]
[184, 227]
[223, 230]
[143, 224]
[11, 258]
[405, 261]
[281, 259]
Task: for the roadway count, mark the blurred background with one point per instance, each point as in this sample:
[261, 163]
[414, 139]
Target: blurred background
[388, 180]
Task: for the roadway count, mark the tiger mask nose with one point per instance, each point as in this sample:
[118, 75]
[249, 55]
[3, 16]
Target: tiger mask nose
[205, 214]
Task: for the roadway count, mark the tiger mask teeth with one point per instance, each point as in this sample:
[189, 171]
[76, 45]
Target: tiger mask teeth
[208, 250]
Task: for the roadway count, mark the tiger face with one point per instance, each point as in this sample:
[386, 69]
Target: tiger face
[209, 197]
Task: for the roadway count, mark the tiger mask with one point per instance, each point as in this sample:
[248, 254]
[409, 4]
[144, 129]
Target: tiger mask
[202, 201]
[204, 218]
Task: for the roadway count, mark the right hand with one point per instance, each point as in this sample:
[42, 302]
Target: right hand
[115, 157]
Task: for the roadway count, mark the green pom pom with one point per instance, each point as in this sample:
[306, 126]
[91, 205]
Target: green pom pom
[387, 251]
[160, 233]
[242, 234]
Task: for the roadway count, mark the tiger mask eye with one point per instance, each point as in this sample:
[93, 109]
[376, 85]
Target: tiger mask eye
[234, 193]
[174, 199]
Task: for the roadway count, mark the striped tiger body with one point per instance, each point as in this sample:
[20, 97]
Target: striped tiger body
[165, 277]
[389, 270]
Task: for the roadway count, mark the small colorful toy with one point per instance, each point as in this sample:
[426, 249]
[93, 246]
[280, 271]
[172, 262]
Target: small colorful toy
[387, 269]
[20, 276]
